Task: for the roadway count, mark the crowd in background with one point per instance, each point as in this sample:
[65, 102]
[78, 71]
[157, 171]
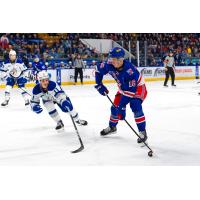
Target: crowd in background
[31, 45]
[153, 46]
[184, 46]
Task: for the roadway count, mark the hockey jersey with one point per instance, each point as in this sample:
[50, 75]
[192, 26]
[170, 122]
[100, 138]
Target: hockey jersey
[38, 67]
[128, 78]
[15, 70]
[53, 93]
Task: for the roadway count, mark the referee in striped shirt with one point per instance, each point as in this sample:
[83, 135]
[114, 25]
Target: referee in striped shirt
[169, 64]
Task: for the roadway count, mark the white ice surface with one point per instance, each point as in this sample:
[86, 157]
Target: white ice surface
[173, 126]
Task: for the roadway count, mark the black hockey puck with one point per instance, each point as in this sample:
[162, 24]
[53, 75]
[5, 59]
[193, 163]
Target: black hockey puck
[150, 153]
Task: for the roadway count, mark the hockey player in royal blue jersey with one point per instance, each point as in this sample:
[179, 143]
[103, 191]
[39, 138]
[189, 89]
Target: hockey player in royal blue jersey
[15, 73]
[132, 90]
[37, 66]
[52, 94]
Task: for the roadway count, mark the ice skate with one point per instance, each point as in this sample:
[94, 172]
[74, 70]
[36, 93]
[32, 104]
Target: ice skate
[60, 126]
[5, 103]
[109, 130]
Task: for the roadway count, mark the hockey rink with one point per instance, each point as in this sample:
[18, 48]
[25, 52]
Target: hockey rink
[173, 127]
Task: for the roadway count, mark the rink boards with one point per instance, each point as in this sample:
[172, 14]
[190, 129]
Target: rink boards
[66, 76]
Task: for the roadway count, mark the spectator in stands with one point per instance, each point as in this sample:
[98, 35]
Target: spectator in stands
[4, 41]
[65, 45]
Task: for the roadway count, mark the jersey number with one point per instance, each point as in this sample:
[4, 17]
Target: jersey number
[132, 83]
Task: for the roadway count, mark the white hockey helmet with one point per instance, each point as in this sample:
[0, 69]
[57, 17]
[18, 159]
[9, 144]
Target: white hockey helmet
[12, 52]
[12, 55]
[43, 75]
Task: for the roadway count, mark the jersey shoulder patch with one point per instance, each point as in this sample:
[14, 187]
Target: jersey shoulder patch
[6, 62]
[36, 90]
[51, 86]
[130, 71]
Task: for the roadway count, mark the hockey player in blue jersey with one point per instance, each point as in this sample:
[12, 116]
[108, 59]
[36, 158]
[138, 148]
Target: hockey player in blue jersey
[132, 91]
[15, 73]
[37, 66]
[52, 94]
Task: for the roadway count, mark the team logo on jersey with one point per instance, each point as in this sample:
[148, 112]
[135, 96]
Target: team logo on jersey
[13, 72]
[130, 71]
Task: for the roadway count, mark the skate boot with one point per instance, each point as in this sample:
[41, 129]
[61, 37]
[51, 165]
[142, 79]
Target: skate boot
[27, 103]
[165, 86]
[5, 103]
[143, 137]
[109, 130]
[82, 122]
[173, 85]
[59, 126]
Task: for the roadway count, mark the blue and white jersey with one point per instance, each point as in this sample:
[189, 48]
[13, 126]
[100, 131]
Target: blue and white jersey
[53, 93]
[38, 67]
[14, 70]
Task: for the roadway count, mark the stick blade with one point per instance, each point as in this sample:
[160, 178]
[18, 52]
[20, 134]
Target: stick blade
[78, 150]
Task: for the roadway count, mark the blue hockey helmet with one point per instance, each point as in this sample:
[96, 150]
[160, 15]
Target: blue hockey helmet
[36, 58]
[117, 52]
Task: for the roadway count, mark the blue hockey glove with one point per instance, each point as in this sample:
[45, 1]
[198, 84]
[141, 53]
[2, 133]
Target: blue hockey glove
[101, 89]
[37, 109]
[67, 105]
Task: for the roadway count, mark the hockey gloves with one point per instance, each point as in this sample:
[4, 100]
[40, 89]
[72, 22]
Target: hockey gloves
[37, 109]
[67, 105]
[101, 89]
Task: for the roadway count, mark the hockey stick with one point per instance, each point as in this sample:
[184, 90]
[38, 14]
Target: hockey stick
[75, 127]
[78, 135]
[25, 91]
[150, 153]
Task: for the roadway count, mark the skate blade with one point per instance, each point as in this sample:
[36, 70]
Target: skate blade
[60, 130]
[4, 106]
[27, 106]
[81, 124]
[109, 134]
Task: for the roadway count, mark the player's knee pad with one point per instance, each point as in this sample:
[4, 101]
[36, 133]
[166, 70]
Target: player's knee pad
[62, 108]
[113, 110]
[10, 81]
[21, 82]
